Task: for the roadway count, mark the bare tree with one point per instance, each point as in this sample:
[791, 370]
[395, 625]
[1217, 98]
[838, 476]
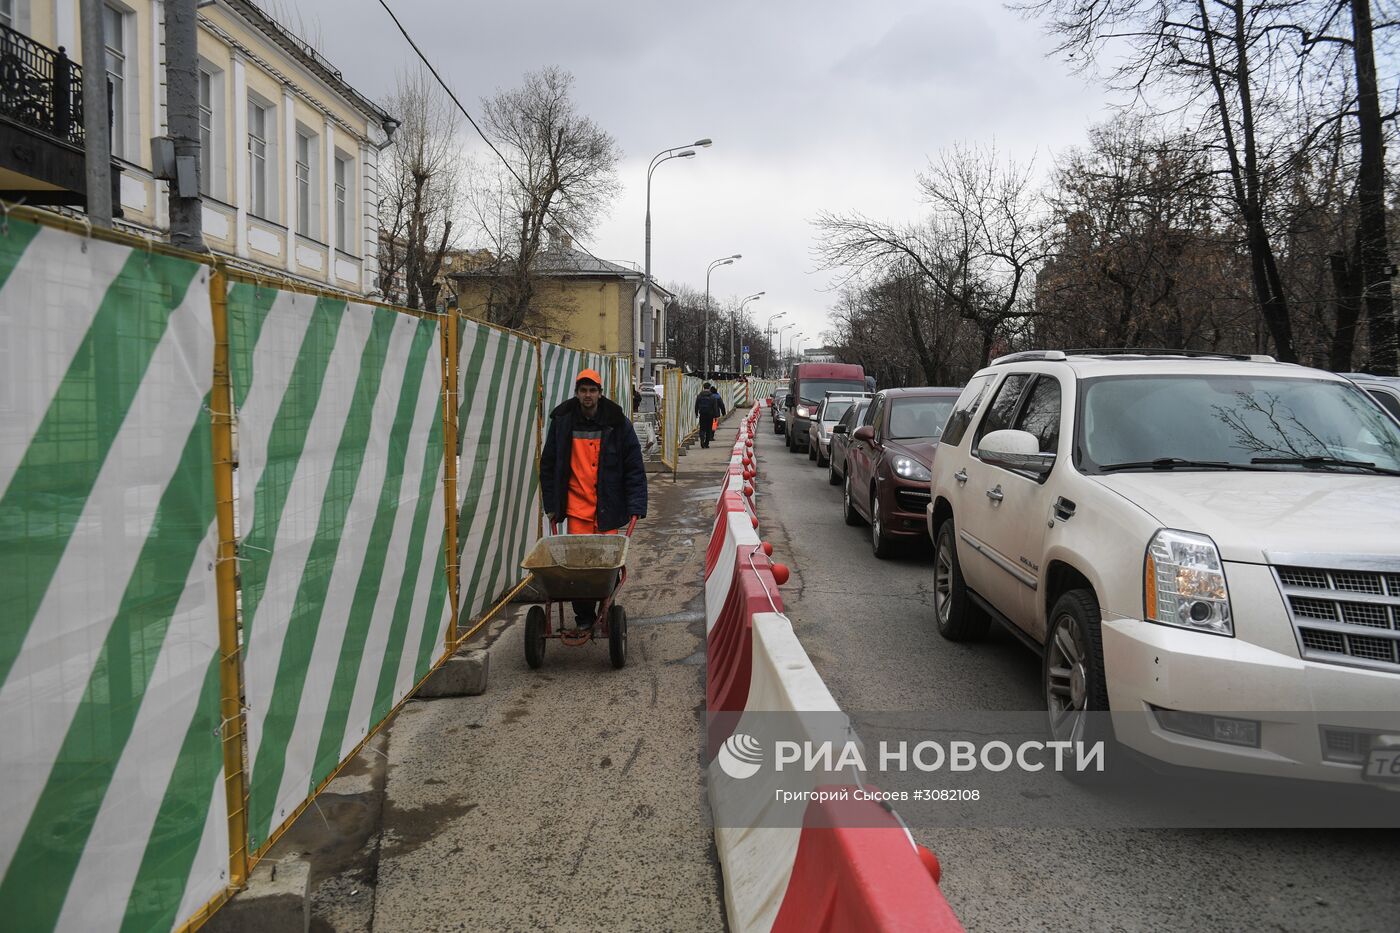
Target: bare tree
[1232, 64]
[561, 174]
[419, 191]
[978, 252]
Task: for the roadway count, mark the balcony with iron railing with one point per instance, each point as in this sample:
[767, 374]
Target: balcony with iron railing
[40, 88]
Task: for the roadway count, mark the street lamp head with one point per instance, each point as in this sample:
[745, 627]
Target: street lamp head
[736, 256]
[703, 143]
[685, 155]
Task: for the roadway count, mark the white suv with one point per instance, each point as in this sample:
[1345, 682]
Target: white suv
[1183, 536]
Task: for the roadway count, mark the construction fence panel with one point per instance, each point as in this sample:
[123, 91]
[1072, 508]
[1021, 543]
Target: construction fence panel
[680, 420]
[561, 366]
[341, 516]
[760, 389]
[112, 765]
[498, 480]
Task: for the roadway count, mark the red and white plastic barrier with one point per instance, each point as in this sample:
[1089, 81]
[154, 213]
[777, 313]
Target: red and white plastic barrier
[851, 865]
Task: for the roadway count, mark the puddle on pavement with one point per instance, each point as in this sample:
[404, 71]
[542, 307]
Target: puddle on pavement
[406, 830]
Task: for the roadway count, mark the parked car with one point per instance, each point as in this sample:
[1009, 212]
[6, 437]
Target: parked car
[887, 464]
[807, 386]
[1184, 536]
[780, 414]
[1384, 389]
[828, 413]
[841, 433]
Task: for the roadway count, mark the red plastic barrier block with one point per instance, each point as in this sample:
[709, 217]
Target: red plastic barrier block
[729, 502]
[729, 646]
[868, 877]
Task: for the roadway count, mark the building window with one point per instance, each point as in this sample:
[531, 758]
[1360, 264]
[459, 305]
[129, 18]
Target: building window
[344, 172]
[260, 121]
[308, 205]
[7, 13]
[206, 132]
[114, 27]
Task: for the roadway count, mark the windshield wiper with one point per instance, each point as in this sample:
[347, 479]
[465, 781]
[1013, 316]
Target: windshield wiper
[1174, 463]
[1327, 462]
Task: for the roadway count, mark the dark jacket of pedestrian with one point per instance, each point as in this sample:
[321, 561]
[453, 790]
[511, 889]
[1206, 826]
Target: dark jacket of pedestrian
[622, 479]
[709, 405]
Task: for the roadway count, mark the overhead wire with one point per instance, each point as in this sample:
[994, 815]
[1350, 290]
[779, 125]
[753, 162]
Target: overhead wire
[549, 212]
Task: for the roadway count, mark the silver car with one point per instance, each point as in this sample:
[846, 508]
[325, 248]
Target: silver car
[833, 406]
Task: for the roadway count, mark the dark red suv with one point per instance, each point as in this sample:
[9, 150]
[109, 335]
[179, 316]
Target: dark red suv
[887, 464]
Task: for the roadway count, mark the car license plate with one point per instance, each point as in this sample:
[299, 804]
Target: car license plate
[1383, 765]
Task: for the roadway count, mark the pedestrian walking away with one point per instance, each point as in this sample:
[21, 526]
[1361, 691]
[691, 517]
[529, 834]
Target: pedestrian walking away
[591, 476]
[709, 408]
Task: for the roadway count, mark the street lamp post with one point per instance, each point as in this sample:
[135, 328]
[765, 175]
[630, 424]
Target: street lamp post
[790, 355]
[797, 340]
[733, 331]
[768, 342]
[727, 260]
[780, 341]
[648, 331]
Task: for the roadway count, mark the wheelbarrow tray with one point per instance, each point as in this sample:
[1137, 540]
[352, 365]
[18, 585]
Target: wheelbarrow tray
[569, 567]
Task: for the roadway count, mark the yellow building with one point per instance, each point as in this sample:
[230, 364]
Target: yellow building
[580, 301]
[289, 172]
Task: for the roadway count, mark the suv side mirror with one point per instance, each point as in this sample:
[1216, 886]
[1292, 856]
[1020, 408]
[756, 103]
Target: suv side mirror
[864, 433]
[1016, 450]
[839, 429]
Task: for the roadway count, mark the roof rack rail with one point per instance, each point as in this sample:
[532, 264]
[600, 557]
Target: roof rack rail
[1163, 351]
[1029, 356]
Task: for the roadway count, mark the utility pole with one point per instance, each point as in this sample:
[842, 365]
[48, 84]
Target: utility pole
[97, 123]
[182, 109]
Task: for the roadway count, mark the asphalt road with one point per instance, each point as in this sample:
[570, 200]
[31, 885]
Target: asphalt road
[867, 625]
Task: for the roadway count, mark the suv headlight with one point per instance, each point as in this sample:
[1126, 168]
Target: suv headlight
[804, 412]
[911, 469]
[1183, 582]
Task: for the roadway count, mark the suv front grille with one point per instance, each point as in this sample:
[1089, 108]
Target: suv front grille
[1344, 616]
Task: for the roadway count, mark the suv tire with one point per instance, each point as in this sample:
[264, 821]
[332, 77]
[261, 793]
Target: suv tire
[880, 542]
[958, 618]
[1072, 674]
[848, 508]
[811, 450]
[832, 476]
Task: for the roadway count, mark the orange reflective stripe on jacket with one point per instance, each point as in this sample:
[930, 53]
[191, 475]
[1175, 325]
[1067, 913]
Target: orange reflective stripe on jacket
[583, 472]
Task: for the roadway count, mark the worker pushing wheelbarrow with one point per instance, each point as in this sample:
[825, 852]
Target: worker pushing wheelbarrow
[592, 483]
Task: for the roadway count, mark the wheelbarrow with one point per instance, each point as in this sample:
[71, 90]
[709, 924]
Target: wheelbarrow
[571, 568]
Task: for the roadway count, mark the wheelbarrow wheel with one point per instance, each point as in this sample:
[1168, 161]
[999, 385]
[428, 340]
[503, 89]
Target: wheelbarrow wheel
[617, 636]
[534, 637]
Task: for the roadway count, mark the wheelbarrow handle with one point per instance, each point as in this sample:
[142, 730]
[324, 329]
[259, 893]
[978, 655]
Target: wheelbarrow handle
[554, 526]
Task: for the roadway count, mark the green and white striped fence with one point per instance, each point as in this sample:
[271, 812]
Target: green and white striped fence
[135, 665]
[340, 468]
[112, 763]
[498, 491]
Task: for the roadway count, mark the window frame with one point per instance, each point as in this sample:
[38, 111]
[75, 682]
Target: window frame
[262, 166]
[342, 211]
[120, 85]
[305, 183]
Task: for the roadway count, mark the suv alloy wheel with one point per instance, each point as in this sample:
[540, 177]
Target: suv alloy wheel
[879, 541]
[848, 508]
[957, 617]
[1072, 674]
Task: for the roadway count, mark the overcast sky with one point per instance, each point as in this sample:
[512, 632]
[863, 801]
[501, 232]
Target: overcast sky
[812, 105]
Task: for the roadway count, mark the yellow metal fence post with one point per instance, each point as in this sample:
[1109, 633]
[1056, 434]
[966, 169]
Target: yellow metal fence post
[540, 415]
[449, 467]
[226, 580]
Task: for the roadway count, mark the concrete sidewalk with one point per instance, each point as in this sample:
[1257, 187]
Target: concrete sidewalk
[569, 798]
